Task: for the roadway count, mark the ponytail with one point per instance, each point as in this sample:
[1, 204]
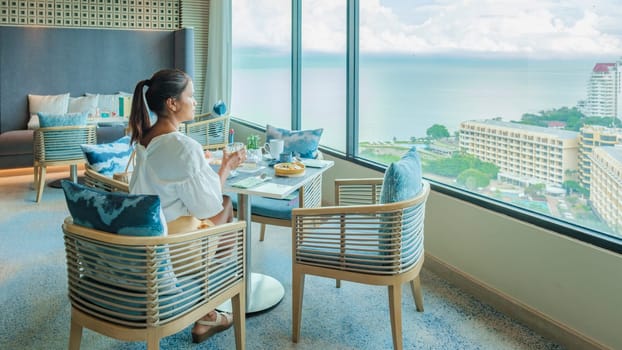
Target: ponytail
[139, 122]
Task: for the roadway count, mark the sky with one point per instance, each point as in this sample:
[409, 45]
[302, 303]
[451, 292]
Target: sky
[534, 28]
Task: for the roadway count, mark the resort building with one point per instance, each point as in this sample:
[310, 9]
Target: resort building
[603, 91]
[525, 154]
[606, 186]
[590, 137]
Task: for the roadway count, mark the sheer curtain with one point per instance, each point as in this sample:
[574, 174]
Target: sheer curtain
[218, 74]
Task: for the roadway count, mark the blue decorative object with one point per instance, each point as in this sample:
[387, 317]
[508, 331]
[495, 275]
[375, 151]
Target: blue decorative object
[220, 108]
[402, 179]
[109, 158]
[302, 143]
[122, 213]
[48, 120]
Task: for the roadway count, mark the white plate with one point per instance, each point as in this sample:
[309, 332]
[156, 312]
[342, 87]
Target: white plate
[248, 169]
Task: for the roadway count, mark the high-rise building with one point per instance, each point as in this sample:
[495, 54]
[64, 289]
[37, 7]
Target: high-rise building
[603, 91]
[606, 185]
[525, 154]
[590, 137]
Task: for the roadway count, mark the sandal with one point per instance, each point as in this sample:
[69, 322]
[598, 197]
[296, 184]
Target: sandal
[215, 326]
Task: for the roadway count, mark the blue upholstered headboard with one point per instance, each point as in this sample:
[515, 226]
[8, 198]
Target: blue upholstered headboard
[50, 61]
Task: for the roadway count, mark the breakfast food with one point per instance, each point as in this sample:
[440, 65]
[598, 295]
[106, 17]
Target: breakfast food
[289, 169]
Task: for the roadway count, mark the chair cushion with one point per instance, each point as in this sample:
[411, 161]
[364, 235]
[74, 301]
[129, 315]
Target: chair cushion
[109, 158]
[303, 143]
[47, 120]
[402, 179]
[270, 207]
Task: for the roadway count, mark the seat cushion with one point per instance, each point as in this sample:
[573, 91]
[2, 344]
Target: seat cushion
[402, 179]
[271, 207]
[16, 142]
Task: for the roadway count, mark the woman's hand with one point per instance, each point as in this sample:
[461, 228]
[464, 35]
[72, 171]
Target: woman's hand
[230, 161]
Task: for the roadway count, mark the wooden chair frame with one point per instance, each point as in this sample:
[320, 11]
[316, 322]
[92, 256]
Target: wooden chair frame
[94, 179]
[212, 134]
[135, 308]
[59, 146]
[377, 244]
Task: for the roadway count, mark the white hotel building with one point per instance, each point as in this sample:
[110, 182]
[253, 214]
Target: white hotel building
[525, 154]
[606, 185]
[603, 91]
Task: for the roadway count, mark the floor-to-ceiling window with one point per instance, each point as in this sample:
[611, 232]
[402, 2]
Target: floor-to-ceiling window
[261, 78]
[324, 69]
[515, 103]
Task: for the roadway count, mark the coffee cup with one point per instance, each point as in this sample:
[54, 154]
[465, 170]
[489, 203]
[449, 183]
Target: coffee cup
[274, 147]
[285, 157]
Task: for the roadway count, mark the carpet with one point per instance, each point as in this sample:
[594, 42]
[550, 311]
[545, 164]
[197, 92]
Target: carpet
[35, 308]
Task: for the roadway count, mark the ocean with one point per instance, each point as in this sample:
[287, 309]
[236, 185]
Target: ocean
[402, 96]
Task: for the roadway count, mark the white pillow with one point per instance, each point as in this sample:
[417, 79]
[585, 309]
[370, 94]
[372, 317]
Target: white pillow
[33, 122]
[107, 104]
[86, 104]
[54, 104]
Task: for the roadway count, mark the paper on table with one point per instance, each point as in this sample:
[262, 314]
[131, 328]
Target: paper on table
[273, 188]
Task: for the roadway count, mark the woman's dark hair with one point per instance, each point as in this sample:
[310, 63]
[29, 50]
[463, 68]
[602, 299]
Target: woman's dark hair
[163, 84]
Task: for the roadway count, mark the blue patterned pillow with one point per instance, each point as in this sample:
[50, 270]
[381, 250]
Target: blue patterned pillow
[48, 120]
[303, 143]
[402, 179]
[109, 158]
[122, 213]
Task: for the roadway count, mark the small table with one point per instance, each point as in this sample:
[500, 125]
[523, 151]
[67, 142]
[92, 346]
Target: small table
[262, 291]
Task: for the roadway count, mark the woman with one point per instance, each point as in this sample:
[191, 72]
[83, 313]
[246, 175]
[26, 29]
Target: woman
[173, 166]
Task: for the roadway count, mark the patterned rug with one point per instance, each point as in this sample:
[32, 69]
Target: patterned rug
[35, 309]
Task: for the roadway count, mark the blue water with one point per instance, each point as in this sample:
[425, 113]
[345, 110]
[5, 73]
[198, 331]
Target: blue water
[402, 96]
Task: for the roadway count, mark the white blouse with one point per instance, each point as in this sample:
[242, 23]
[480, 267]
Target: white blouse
[173, 166]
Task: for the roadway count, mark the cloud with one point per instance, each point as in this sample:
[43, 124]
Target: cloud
[510, 27]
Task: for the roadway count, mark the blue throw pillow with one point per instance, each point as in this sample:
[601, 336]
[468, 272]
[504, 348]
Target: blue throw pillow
[303, 143]
[109, 158]
[122, 213]
[402, 179]
[48, 120]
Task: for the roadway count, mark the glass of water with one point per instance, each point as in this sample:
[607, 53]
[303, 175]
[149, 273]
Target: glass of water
[232, 148]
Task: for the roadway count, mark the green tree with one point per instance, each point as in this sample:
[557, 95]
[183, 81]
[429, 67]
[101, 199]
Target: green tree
[572, 186]
[473, 179]
[437, 131]
[536, 190]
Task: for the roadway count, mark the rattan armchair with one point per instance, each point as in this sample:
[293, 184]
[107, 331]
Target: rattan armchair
[376, 244]
[119, 286]
[59, 146]
[94, 179]
[212, 133]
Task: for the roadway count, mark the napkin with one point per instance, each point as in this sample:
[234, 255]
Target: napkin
[249, 182]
